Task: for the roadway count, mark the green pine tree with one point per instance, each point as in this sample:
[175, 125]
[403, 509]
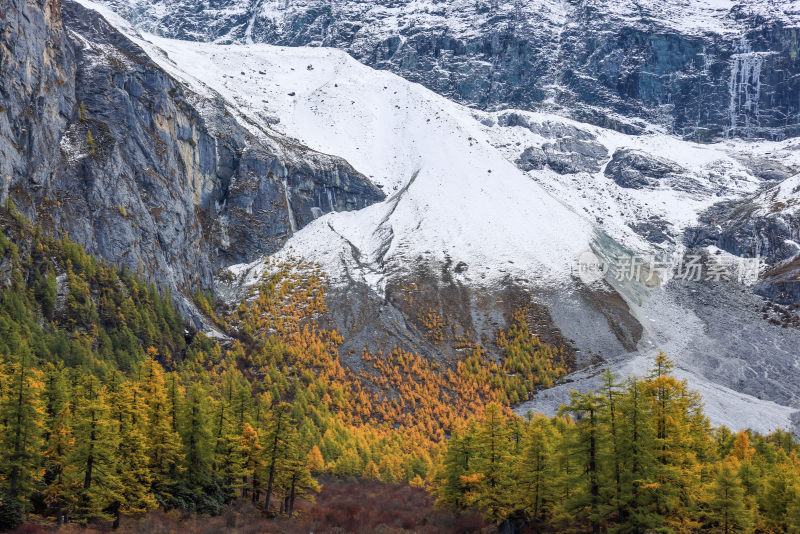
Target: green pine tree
[538, 468]
[133, 462]
[727, 510]
[492, 481]
[196, 434]
[93, 459]
[451, 489]
[61, 483]
[22, 413]
[610, 418]
[586, 503]
[275, 447]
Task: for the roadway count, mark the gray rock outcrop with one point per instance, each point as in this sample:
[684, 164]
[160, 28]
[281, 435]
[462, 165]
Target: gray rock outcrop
[99, 142]
[634, 169]
[700, 71]
[757, 227]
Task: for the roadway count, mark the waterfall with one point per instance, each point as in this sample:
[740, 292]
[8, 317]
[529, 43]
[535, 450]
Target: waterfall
[287, 194]
[744, 88]
[330, 200]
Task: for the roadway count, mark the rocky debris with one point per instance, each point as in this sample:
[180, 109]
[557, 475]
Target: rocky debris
[767, 169]
[572, 150]
[781, 284]
[654, 229]
[610, 304]
[702, 73]
[547, 129]
[765, 226]
[96, 140]
[782, 315]
[532, 159]
[638, 170]
[735, 227]
[429, 311]
[570, 155]
[732, 351]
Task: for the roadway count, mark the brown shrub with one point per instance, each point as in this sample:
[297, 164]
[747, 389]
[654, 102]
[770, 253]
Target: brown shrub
[345, 506]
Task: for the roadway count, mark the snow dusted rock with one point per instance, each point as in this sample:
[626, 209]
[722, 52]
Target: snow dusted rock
[566, 155]
[655, 230]
[767, 169]
[766, 225]
[569, 150]
[636, 170]
[532, 159]
[705, 70]
[569, 155]
[100, 142]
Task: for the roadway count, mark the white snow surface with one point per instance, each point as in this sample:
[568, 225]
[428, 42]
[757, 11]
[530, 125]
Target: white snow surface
[450, 191]
[453, 190]
[722, 405]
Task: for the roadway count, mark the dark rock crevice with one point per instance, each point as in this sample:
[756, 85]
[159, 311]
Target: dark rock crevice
[99, 142]
[613, 64]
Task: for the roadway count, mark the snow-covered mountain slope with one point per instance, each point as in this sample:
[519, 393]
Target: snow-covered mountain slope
[705, 69]
[449, 171]
[517, 196]
[451, 193]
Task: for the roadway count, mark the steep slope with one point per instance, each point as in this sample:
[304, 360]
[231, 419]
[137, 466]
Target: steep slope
[486, 212]
[468, 242]
[438, 205]
[703, 69]
[99, 142]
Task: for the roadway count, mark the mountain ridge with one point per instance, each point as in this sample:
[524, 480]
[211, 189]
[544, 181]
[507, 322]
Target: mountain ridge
[100, 143]
[704, 70]
[462, 231]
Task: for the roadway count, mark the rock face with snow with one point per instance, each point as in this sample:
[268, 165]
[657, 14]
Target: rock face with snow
[490, 210]
[636, 170]
[208, 156]
[705, 70]
[766, 225]
[98, 141]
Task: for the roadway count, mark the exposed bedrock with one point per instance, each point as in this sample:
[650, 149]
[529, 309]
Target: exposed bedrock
[96, 140]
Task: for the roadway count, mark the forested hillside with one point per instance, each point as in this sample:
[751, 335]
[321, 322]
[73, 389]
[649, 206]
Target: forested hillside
[638, 456]
[420, 266]
[112, 408]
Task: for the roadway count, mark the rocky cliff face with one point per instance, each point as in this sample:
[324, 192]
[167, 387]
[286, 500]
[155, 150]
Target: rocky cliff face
[702, 71]
[181, 172]
[96, 140]
[766, 225]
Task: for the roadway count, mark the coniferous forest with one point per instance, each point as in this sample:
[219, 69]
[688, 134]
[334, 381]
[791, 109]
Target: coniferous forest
[113, 409]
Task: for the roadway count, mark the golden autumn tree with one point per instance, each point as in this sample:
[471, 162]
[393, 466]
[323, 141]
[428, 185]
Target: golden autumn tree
[163, 443]
[22, 414]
